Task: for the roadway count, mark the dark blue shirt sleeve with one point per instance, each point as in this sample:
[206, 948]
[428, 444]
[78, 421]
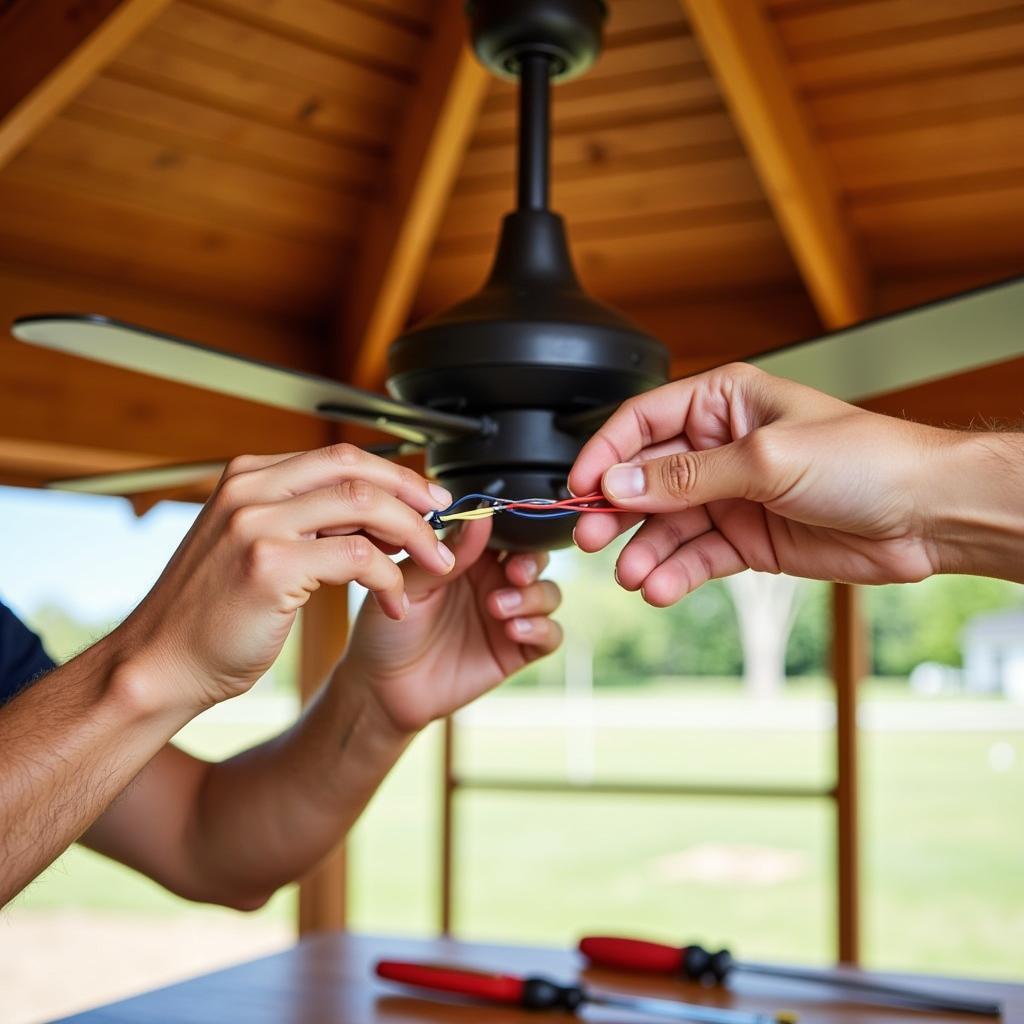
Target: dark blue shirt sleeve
[22, 657]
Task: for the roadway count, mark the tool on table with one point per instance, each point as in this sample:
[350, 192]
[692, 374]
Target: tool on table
[698, 964]
[542, 994]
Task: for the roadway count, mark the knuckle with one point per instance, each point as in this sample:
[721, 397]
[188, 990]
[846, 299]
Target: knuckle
[357, 492]
[345, 455]
[407, 478]
[261, 559]
[238, 465]
[679, 474]
[230, 494]
[358, 550]
[738, 369]
[243, 523]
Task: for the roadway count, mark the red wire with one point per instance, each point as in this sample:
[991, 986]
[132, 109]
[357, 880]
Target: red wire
[584, 503]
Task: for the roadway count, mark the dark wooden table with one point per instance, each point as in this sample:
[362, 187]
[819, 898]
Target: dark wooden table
[329, 980]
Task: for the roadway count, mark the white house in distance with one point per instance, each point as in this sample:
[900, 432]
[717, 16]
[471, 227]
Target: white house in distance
[993, 654]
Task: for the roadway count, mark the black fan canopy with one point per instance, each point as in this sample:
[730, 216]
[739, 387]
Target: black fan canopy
[501, 391]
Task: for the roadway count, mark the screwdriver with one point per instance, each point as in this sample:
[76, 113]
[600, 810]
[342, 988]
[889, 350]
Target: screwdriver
[542, 994]
[698, 964]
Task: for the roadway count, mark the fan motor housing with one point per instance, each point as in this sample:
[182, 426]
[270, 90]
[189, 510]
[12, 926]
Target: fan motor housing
[528, 350]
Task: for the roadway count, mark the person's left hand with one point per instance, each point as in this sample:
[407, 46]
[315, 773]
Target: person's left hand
[464, 634]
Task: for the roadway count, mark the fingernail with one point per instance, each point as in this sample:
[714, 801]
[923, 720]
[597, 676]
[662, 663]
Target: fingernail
[530, 569]
[405, 605]
[442, 498]
[509, 600]
[446, 556]
[523, 626]
[624, 481]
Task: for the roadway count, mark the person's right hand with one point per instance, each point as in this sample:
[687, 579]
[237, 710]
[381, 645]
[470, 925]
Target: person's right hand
[736, 469]
[275, 530]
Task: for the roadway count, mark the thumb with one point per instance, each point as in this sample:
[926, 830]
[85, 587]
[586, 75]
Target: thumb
[680, 480]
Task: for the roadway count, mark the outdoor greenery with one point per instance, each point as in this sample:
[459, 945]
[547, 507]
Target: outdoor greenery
[944, 834]
[699, 636]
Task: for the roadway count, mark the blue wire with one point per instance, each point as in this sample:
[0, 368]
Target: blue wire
[559, 514]
[499, 503]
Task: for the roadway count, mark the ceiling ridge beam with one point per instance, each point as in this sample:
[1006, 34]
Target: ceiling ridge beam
[402, 224]
[746, 56]
[50, 49]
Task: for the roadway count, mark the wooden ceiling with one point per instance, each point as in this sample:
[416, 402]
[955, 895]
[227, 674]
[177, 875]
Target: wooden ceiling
[297, 178]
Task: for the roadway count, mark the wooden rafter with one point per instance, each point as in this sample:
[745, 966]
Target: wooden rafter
[746, 56]
[50, 49]
[401, 227]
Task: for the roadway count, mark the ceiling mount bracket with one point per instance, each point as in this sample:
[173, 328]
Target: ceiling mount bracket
[567, 32]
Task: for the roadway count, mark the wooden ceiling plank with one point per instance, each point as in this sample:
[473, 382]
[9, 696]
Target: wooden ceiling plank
[182, 68]
[998, 37]
[745, 54]
[628, 192]
[90, 159]
[49, 49]
[261, 51]
[169, 256]
[403, 223]
[600, 144]
[838, 26]
[333, 27]
[185, 123]
[930, 153]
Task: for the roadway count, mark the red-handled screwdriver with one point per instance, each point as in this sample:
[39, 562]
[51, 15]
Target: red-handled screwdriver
[698, 964]
[542, 994]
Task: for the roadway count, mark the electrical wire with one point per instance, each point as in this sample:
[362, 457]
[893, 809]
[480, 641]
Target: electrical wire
[485, 506]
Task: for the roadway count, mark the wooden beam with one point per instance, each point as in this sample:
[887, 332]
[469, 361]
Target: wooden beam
[403, 222]
[446, 888]
[50, 49]
[746, 55]
[324, 633]
[849, 666]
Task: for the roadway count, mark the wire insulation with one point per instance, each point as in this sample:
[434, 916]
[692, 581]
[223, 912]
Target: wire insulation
[485, 506]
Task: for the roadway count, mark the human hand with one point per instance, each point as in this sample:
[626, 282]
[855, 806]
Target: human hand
[736, 469]
[276, 529]
[465, 633]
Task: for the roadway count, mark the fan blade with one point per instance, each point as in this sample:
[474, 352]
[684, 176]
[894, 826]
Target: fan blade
[162, 355]
[965, 332]
[139, 481]
[162, 478]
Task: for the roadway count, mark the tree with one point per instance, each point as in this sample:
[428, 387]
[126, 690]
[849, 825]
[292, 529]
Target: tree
[765, 607]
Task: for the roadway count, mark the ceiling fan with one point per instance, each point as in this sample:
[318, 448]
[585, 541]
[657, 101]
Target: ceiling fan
[501, 391]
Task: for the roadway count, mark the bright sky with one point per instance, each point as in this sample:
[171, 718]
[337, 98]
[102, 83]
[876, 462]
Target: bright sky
[89, 555]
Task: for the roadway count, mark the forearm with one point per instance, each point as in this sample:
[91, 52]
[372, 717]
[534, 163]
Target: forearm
[269, 815]
[977, 498]
[68, 746]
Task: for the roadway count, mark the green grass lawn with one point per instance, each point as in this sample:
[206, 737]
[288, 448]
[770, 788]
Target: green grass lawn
[943, 846]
